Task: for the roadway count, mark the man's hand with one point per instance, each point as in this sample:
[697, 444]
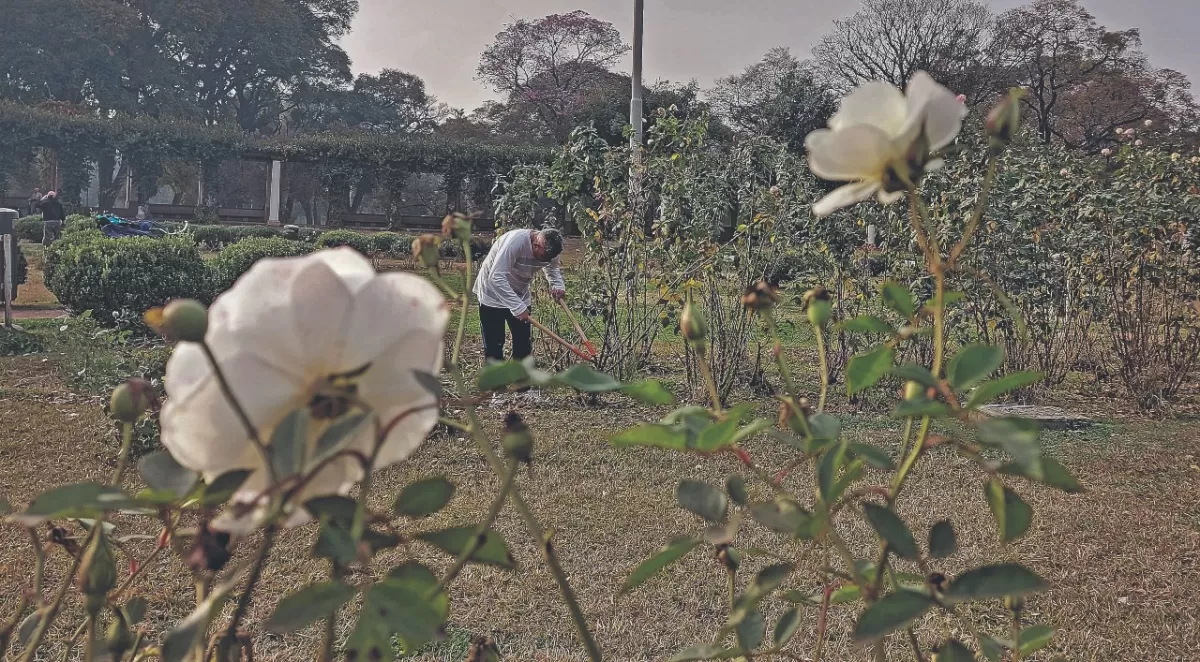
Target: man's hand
[558, 295]
[524, 317]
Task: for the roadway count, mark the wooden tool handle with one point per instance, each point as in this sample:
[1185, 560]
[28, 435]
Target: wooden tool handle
[578, 329]
[578, 352]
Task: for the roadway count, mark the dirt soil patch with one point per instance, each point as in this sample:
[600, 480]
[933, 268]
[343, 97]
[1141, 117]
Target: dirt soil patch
[1124, 558]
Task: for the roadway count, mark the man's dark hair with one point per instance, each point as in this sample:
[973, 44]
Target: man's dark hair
[554, 243]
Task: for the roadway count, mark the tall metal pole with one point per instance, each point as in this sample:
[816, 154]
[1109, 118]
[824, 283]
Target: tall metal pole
[635, 102]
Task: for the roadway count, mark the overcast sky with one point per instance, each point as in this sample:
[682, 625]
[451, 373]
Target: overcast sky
[441, 40]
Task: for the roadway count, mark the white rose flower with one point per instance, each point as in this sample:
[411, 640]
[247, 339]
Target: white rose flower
[1148, 123]
[1138, 143]
[876, 128]
[284, 330]
[1106, 152]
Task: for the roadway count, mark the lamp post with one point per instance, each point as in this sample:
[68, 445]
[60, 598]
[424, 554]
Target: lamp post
[635, 102]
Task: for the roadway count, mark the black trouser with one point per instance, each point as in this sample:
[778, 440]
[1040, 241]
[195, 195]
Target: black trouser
[491, 323]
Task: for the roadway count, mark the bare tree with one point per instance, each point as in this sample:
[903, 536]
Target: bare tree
[891, 40]
[550, 63]
[779, 96]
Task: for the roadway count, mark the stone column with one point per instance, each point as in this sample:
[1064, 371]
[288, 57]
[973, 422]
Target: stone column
[274, 201]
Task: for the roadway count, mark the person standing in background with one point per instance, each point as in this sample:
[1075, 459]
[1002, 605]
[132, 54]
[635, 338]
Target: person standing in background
[53, 216]
[34, 199]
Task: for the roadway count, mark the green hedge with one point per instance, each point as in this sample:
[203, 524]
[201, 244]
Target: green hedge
[88, 271]
[236, 259]
[29, 228]
[359, 241]
[217, 237]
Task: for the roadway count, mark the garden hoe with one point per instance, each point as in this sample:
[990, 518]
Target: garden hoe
[558, 339]
[578, 329]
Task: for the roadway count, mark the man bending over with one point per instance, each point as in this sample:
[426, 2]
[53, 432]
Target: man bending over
[503, 284]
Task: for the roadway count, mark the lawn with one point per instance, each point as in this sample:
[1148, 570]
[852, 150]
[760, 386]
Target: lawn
[1123, 558]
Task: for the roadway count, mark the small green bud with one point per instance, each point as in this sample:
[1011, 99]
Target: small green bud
[425, 250]
[518, 443]
[97, 573]
[457, 225]
[817, 305]
[913, 390]
[760, 296]
[1004, 120]
[129, 401]
[729, 557]
[185, 319]
[1014, 603]
[692, 324]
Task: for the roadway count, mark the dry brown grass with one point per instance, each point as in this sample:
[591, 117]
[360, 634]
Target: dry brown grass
[1124, 558]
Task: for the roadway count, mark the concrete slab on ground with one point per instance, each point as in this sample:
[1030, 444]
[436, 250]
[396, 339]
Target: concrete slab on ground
[1050, 418]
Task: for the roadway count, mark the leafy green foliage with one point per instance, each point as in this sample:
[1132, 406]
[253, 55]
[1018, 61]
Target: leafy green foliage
[488, 548]
[237, 258]
[308, 605]
[865, 370]
[655, 564]
[424, 497]
[973, 364]
[702, 499]
[356, 240]
[892, 612]
[892, 530]
[121, 276]
[995, 581]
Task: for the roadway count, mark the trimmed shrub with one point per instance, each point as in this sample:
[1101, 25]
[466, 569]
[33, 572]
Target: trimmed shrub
[28, 228]
[359, 241]
[480, 247]
[77, 222]
[55, 253]
[18, 343]
[386, 244]
[236, 259]
[217, 237]
[116, 277]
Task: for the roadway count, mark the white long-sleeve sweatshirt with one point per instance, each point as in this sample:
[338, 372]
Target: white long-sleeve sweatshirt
[507, 272]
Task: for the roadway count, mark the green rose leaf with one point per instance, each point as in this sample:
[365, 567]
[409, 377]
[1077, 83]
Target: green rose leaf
[867, 324]
[782, 515]
[943, 541]
[892, 530]
[424, 497]
[499, 375]
[893, 612]
[786, 626]
[1019, 438]
[995, 581]
[222, 487]
[489, 550]
[337, 433]
[583, 377]
[309, 605]
[649, 392]
[88, 500]
[973, 364]
[992, 389]
[702, 499]
[920, 408]
[1012, 514]
[865, 370]
[161, 472]
[751, 630]
[899, 298]
[915, 373]
[1034, 639]
[655, 435]
[655, 564]
[1054, 474]
[872, 455]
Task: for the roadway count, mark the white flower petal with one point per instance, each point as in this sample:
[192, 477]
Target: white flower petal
[845, 196]
[934, 108]
[876, 104]
[199, 426]
[350, 266]
[888, 198]
[389, 309]
[320, 310]
[858, 152]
